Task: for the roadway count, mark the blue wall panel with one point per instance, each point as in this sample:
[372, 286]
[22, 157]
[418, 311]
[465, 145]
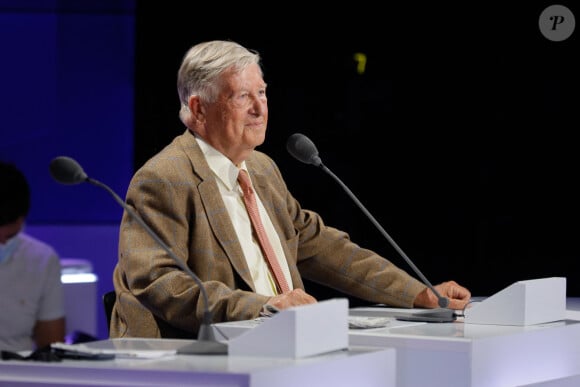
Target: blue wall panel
[67, 76]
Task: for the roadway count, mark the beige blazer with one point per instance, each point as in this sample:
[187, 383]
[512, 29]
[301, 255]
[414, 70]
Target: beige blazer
[175, 193]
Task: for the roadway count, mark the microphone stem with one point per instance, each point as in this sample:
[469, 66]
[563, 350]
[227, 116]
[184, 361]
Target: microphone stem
[441, 299]
[205, 332]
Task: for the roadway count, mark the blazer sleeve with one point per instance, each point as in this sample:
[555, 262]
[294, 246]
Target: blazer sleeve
[328, 256]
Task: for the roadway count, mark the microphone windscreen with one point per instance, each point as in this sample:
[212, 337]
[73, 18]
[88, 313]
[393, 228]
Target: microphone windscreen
[66, 170]
[303, 149]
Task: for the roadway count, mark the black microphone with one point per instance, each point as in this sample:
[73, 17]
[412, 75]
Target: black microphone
[303, 149]
[66, 170]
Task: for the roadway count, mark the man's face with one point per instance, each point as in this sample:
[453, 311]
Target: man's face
[10, 230]
[236, 123]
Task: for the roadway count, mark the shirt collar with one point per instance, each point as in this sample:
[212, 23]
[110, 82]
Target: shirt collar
[222, 167]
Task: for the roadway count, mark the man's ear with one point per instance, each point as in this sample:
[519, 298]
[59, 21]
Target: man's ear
[196, 108]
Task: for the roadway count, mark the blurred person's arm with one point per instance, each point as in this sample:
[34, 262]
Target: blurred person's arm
[49, 331]
[50, 326]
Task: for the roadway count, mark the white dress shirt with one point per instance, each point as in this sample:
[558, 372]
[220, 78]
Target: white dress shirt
[227, 179]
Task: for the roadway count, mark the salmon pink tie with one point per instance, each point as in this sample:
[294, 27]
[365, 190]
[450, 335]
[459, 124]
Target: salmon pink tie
[252, 207]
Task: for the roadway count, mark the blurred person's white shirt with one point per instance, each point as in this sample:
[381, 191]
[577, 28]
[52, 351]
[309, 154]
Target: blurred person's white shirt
[30, 290]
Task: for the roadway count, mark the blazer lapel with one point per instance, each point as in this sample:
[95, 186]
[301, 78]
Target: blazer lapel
[218, 217]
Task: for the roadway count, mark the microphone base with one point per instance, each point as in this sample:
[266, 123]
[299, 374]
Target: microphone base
[204, 348]
[437, 315]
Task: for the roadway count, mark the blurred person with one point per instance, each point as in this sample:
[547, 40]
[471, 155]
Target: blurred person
[32, 311]
[190, 196]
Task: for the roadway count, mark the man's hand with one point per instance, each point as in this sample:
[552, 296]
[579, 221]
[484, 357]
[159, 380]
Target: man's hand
[292, 298]
[457, 295]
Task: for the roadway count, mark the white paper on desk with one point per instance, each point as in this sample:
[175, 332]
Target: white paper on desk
[354, 322]
[119, 353]
[366, 322]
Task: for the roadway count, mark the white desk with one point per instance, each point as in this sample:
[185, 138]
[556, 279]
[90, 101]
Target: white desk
[573, 308]
[354, 367]
[457, 354]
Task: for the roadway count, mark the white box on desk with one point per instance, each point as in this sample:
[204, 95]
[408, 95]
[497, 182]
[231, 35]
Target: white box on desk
[296, 332]
[523, 303]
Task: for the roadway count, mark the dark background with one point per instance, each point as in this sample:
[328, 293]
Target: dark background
[459, 136]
